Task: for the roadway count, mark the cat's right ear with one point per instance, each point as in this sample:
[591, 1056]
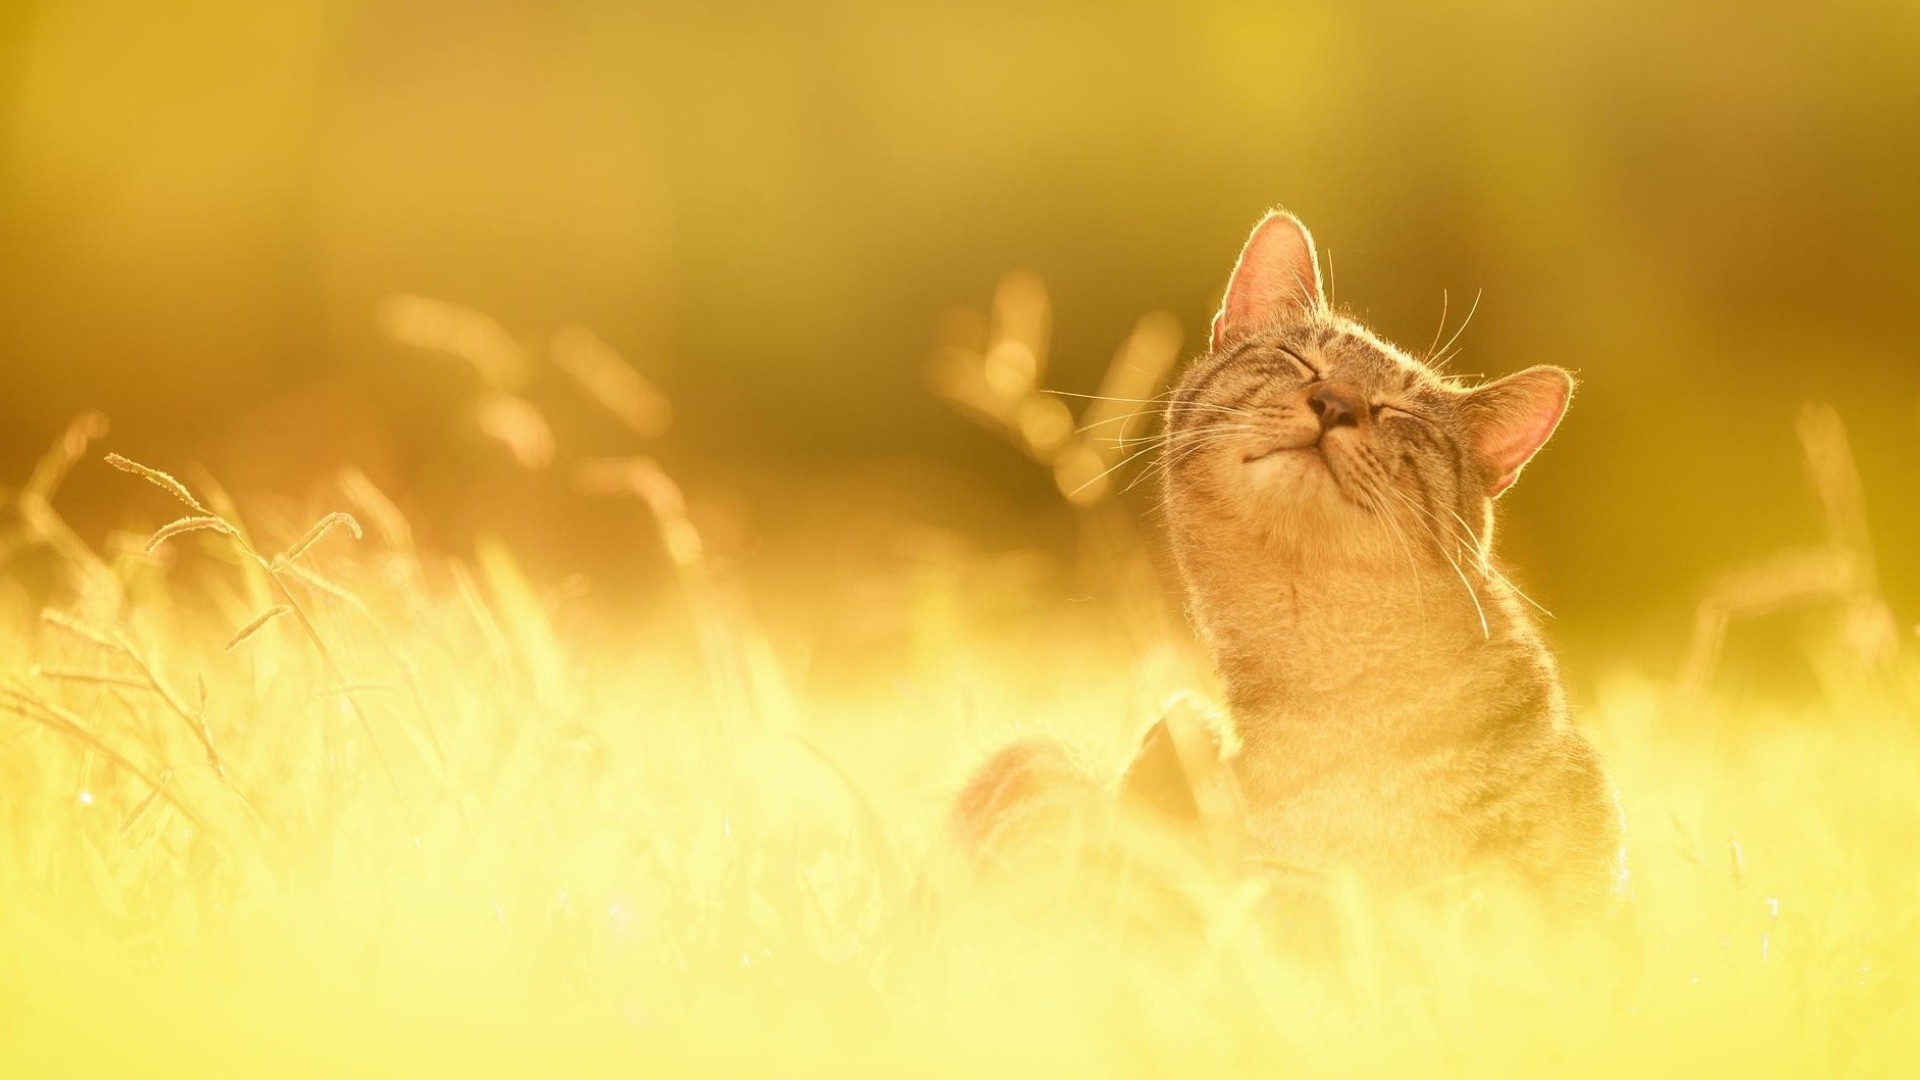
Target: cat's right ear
[1276, 280]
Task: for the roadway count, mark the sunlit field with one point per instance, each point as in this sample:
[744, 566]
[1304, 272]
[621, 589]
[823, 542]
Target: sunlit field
[285, 794]
[519, 521]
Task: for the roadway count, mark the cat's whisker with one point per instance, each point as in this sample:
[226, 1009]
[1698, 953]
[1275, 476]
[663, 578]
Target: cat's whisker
[1433, 347]
[1181, 440]
[1109, 471]
[1464, 323]
[1209, 431]
[1440, 549]
[1466, 541]
[1177, 452]
[1177, 408]
[1124, 419]
[1175, 437]
[1155, 399]
[1485, 632]
[1170, 433]
[1487, 567]
[1211, 427]
[1182, 451]
[1163, 400]
[1379, 494]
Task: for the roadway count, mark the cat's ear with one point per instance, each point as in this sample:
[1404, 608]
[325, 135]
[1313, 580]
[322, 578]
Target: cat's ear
[1509, 420]
[1276, 279]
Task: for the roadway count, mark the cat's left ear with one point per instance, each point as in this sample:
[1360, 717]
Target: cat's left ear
[1509, 420]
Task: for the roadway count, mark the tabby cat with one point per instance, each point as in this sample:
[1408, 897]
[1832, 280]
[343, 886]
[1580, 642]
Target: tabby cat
[1393, 708]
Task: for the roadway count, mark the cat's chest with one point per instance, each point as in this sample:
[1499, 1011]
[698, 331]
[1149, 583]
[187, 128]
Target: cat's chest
[1340, 642]
[1360, 772]
[1354, 739]
[1361, 788]
[1358, 687]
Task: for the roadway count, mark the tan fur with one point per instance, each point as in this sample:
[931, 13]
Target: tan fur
[1398, 711]
[1329, 506]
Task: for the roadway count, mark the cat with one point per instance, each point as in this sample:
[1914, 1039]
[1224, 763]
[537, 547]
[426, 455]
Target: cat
[1393, 710]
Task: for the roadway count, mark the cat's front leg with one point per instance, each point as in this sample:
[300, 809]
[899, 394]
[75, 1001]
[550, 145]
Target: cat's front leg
[1181, 777]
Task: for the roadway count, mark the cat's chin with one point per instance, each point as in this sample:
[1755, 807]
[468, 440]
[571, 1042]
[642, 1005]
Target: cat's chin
[1279, 457]
[1300, 479]
[1301, 470]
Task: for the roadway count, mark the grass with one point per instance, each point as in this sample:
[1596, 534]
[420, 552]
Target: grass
[316, 802]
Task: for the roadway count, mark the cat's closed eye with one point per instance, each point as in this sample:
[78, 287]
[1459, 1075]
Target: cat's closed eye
[1384, 411]
[1307, 371]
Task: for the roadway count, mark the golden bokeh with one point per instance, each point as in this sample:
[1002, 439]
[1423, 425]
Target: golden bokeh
[593, 477]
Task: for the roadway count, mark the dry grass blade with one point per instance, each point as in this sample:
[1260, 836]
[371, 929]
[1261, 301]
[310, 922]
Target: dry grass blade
[90, 576]
[644, 479]
[612, 382]
[1841, 572]
[477, 338]
[350, 689]
[161, 480]
[66, 723]
[1788, 579]
[959, 376]
[1022, 327]
[146, 803]
[311, 580]
[319, 531]
[1835, 479]
[84, 630]
[258, 623]
[149, 679]
[186, 525]
[102, 678]
[381, 513]
[519, 426]
[59, 460]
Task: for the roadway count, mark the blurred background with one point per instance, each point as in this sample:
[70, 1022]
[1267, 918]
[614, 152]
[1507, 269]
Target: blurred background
[771, 209]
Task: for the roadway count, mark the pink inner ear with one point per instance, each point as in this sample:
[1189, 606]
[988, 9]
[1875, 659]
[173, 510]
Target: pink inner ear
[1276, 277]
[1521, 413]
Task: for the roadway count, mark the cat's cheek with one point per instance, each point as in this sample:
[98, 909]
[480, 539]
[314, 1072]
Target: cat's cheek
[1274, 478]
[1210, 476]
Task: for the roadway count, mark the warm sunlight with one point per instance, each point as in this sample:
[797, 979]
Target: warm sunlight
[778, 540]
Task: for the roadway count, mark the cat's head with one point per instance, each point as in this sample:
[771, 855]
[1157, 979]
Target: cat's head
[1301, 426]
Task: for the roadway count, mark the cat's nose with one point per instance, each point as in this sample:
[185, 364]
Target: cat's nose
[1337, 405]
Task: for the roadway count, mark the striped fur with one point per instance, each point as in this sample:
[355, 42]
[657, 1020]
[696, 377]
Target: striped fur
[1398, 711]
